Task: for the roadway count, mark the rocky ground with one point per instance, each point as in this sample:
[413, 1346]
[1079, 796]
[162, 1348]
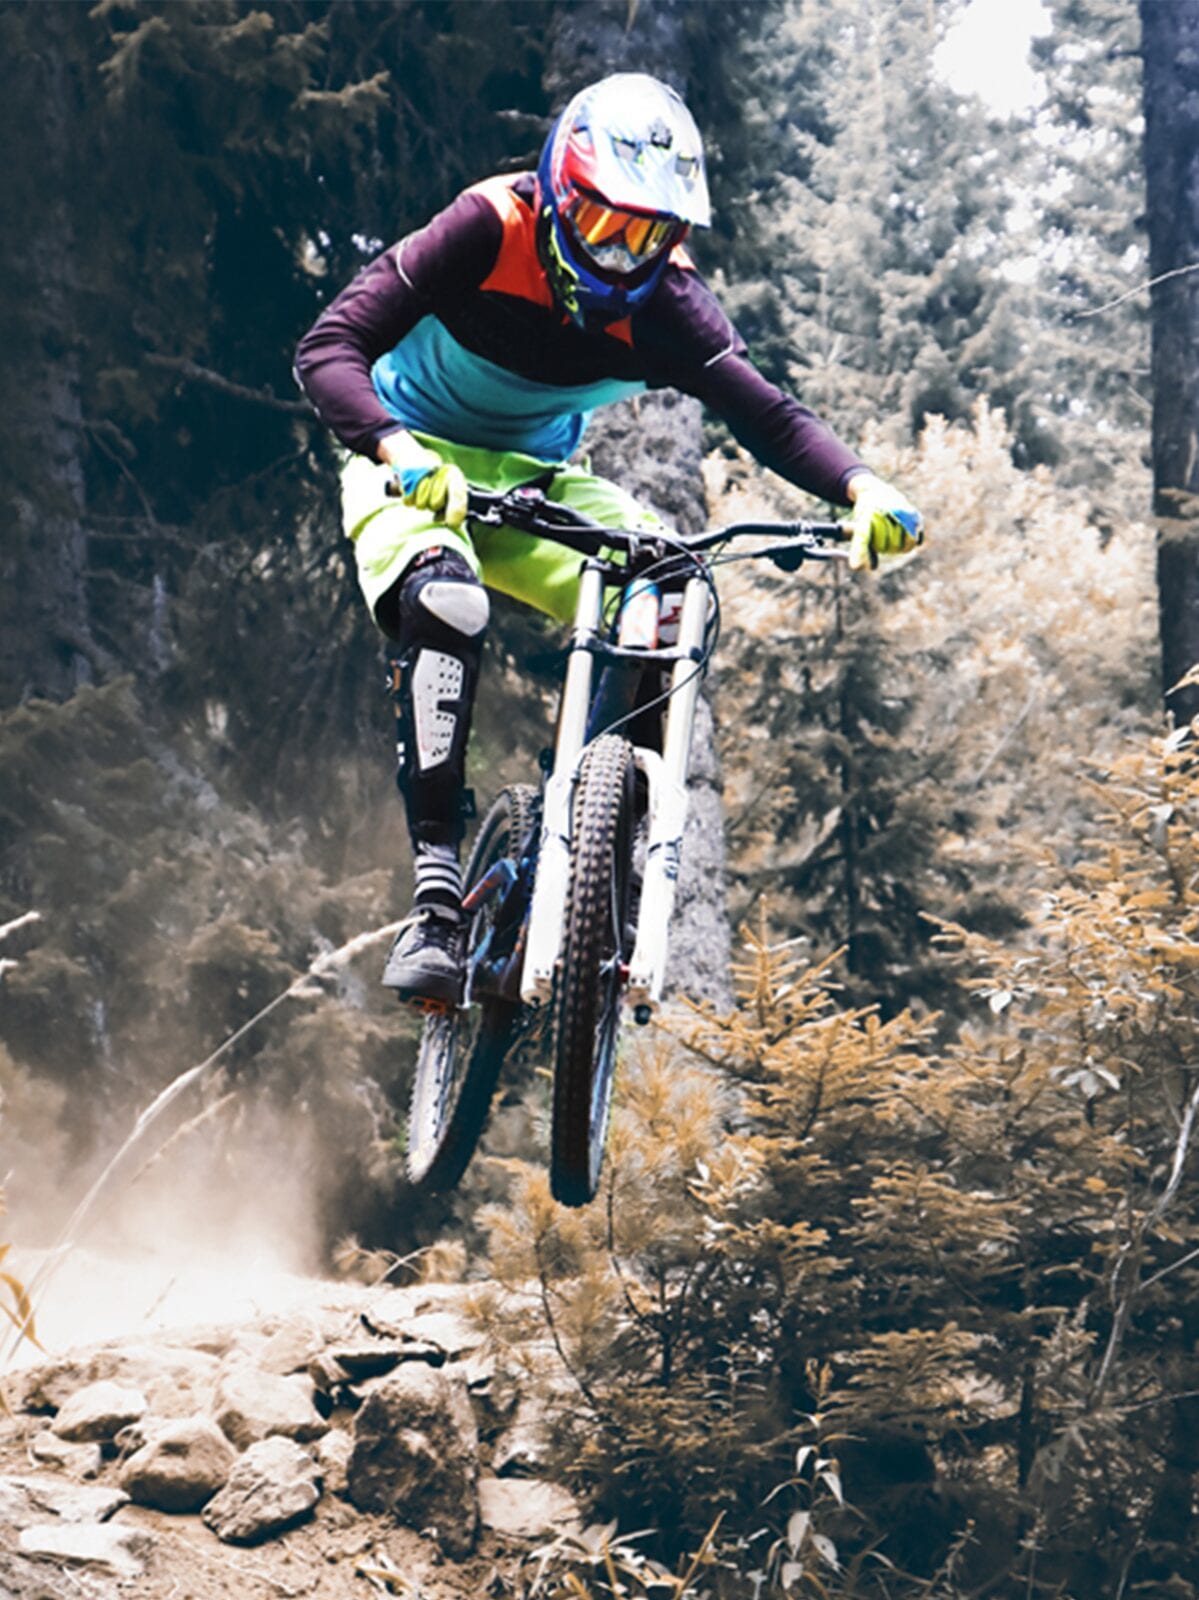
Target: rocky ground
[367, 1444]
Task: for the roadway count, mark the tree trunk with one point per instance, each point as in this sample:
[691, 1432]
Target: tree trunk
[1170, 38]
[652, 446]
[46, 647]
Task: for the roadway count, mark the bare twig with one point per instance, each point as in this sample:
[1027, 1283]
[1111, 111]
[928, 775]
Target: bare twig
[1006, 740]
[217, 380]
[1175, 272]
[1128, 1262]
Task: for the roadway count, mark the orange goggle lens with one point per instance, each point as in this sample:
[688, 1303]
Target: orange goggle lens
[597, 224]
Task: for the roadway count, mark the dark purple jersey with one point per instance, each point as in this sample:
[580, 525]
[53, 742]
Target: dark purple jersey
[455, 332]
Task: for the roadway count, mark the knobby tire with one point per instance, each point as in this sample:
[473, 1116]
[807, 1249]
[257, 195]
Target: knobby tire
[593, 972]
[462, 1051]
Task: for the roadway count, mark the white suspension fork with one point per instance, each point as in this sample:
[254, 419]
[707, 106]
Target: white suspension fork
[547, 914]
[666, 776]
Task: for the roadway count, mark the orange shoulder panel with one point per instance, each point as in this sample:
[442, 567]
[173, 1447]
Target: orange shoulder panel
[517, 270]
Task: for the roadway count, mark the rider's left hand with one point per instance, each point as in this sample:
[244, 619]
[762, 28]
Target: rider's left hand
[440, 489]
[884, 522]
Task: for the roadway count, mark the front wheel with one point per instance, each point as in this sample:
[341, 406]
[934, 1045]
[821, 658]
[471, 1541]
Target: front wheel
[594, 967]
[461, 1051]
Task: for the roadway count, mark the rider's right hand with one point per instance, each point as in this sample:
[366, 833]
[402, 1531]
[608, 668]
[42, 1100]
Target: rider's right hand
[426, 481]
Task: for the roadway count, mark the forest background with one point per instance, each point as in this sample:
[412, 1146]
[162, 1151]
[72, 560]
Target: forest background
[906, 1287]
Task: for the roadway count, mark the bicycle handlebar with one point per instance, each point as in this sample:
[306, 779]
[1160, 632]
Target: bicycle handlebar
[528, 509]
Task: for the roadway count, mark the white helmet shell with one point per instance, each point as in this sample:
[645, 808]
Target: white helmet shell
[631, 140]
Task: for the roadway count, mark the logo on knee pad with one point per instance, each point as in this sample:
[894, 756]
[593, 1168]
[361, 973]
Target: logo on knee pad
[436, 679]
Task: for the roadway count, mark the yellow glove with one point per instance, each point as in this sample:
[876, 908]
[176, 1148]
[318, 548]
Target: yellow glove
[884, 522]
[440, 489]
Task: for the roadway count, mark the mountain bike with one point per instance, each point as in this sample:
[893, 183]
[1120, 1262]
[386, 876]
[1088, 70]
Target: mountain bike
[571, 882]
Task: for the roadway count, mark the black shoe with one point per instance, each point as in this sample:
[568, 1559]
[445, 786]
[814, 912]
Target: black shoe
[426, 959]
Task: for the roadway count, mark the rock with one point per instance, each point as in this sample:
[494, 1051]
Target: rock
[333, 1458]
[522, 1447]
[447, 1331]
[328, 1376]
[25, 1501]
[180, 1466]
[98, 1412]
[272, 1486]
[250, 1405]
[121, 1552]
[78, 1460]
[369, 1360]
[526, 1508]
[176, 1383]
[24, 1579]
[415, 1456]
[291, 1347]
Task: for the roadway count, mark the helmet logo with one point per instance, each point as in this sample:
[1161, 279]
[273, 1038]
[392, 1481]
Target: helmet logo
[564, 280]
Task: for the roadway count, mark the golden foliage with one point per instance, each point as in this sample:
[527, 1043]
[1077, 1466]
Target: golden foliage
[954, 1272]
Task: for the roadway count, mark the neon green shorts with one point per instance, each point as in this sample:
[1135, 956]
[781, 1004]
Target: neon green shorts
[387, 534]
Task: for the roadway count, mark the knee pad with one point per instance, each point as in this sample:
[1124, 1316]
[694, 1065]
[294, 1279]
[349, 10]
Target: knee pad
[442, 615]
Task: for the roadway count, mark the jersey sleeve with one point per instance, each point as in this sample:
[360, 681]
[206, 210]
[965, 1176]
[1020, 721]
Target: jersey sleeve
[448, 257]
[692, 345]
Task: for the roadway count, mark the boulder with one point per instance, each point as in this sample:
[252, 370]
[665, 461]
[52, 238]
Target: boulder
[333, 1458]
[415, 1456]
[271, 1487]
[527, 1508]
[77, 1460]
[180, 1466]
[292, 1346]
[25, 1501]
[250, 1405]
[91, 1546]
[98, 1412]
[522, 1447]
[367, 1358]
[446, 1330]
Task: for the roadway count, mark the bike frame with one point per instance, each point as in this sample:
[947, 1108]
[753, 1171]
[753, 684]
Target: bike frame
[666, 773]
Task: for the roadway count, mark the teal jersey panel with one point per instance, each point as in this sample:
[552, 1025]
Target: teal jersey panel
[431, 383]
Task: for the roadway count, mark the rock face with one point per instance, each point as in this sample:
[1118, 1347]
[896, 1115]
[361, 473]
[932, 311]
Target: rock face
[415, 1455]
[272, 1486]
[181, 1465]
[250, 1405]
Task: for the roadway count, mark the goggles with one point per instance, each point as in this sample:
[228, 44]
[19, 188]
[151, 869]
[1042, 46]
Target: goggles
[617, 239]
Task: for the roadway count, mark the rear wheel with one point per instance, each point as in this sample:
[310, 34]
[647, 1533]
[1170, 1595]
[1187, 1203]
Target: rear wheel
[461, 1051]
[594, 967]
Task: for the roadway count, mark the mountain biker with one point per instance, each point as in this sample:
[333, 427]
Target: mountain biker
[472, 352]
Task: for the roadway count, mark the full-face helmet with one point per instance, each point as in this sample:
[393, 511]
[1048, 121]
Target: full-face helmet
[620, 181]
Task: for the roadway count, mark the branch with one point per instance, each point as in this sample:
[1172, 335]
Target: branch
[1133, 1250]
[217, 380]
[1006, 740]
[1175, 272]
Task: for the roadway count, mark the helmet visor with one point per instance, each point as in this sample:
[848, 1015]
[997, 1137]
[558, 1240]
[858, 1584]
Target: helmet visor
[616, 239]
